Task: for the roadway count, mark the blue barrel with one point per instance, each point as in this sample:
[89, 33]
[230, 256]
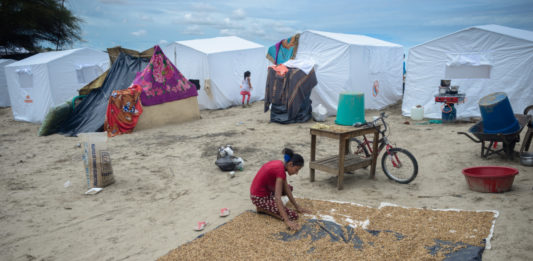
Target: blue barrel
[497, 114]
[449, 113]
[351, 108]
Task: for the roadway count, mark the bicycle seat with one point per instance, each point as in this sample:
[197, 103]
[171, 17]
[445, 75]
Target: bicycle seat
[360, 124]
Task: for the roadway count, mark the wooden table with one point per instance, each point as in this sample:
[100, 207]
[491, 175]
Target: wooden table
[344, 161]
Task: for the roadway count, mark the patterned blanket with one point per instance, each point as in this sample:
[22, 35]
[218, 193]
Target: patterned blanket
[284, 50]
[289, 90]
[123, 111]
[162, 82]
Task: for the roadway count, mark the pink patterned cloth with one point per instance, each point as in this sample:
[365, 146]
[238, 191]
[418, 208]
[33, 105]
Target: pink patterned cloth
[162, 82]
[269, 203]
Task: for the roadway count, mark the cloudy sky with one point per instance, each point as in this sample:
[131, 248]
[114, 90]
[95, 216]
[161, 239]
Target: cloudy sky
[140, 24]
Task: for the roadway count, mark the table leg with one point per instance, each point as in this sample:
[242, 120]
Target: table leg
[313, 148]
[374, 155]
[347, 147]
[340, 175]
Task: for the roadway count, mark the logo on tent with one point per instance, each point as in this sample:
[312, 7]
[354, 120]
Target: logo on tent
[28, 100]
[375, 88]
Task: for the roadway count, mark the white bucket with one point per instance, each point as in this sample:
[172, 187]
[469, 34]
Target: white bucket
[417, 113]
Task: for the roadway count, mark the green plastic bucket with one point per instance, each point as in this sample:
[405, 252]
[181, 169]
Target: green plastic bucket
[351, 108]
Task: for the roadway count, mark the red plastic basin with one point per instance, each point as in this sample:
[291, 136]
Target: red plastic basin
[490, 178]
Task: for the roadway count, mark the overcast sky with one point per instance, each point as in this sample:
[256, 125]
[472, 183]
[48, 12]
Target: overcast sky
[141, 24]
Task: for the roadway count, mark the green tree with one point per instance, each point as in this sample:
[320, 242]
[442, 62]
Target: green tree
[29, 23]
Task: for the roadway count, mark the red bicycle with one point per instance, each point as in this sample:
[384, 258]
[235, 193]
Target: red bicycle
[397, 163]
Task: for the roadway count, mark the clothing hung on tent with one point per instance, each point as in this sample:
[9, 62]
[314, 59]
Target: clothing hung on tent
[289, 95]
[123, 111]
[162, 82]
[283, 50]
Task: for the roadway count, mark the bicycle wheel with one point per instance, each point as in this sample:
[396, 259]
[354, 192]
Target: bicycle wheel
[399, 165]
[357, 148]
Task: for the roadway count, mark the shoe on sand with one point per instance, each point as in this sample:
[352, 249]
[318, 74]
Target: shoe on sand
[224, 212]
[200, 226]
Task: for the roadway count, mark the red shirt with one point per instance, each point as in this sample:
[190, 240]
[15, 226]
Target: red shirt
[264, 182]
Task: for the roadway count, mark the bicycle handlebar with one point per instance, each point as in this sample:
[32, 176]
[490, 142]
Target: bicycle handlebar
[382, 117]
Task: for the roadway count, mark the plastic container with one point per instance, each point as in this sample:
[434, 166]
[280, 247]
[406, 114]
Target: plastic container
[526, 159]
[497, 114]
[492, 179]
[417, 113]
[449, 113]
[320, 113]
[351, 109]
[443, 90]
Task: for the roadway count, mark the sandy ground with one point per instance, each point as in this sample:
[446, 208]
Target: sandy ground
[166, 181]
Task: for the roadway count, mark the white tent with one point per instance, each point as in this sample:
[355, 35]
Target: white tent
[220, 64]
[4, 94]
[352, 63]
[481, 60]
[45, 80]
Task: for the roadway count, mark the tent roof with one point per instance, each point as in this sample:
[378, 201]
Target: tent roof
[355, 39]
[493, 28]
[219, 44]
[2, 61]
[513, 32]
[46, 57]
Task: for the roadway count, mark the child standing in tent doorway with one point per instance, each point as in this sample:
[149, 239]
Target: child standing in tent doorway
[270, 183]
[246, 87]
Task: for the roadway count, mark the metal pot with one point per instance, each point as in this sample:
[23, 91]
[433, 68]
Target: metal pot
[454, 89]
[526, 158]
[445, 83]
[443, 90]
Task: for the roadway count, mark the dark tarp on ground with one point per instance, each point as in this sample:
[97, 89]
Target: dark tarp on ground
[89, 115]
[289, 95]
[318, 229]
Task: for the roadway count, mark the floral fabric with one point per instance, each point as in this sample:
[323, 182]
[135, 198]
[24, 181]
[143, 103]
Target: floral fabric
[162, 82]
[269, 203]
[123, 111]
[284, 50]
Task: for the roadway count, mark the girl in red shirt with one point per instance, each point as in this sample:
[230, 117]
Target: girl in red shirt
[270, 183]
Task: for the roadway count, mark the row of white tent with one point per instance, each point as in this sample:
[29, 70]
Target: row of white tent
[482, 60]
